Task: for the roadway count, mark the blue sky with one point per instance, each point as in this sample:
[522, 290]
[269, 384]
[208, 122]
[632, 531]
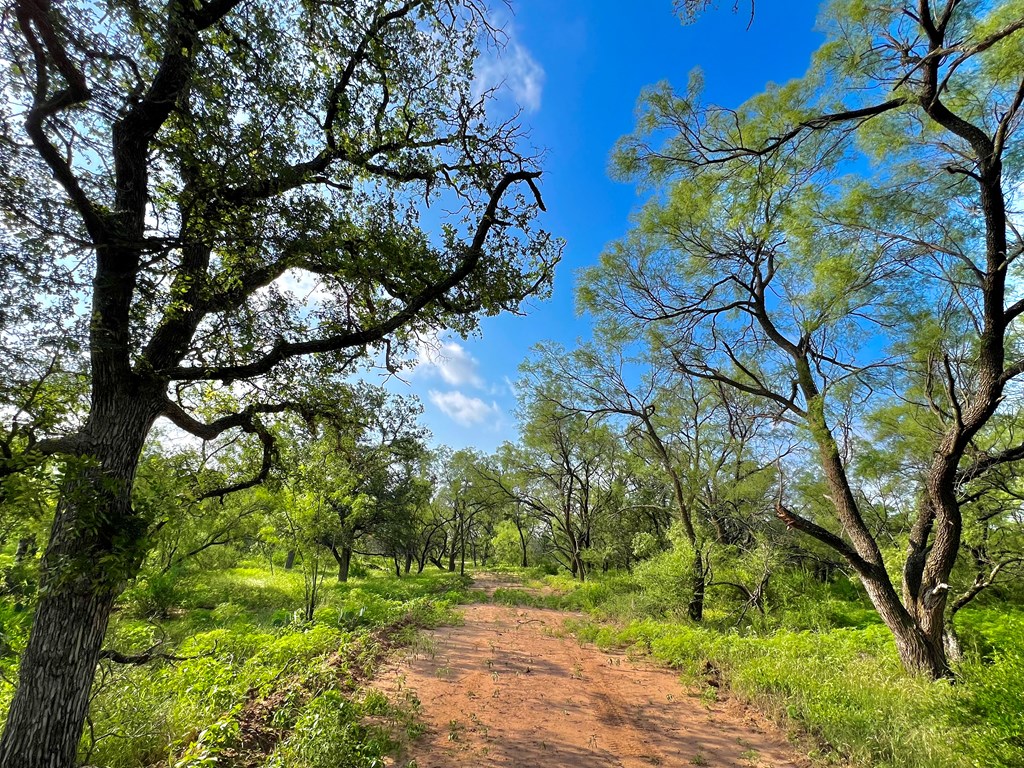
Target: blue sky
[576, 68]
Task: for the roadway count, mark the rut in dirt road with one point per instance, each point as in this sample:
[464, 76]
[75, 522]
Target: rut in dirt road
[509, 688]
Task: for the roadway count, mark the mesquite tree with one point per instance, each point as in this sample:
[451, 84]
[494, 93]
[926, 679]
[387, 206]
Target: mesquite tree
[698, 439]
[565, 473]
[595, 382]
[203, 198]
[840, 236]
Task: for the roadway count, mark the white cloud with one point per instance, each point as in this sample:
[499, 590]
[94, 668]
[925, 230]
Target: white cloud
[512, 66]
[306, 286]
[450, 361]
[463, 409]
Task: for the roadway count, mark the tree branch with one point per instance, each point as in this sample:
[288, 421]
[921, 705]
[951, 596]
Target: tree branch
[109, 654]
[434, 292]
[829, 539]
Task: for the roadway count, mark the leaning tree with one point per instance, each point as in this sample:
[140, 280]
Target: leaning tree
[204, 199]
[838, 237]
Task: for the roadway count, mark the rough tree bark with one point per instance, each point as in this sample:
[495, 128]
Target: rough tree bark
[94, 548]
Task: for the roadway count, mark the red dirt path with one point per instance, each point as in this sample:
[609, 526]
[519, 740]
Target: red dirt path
[510, 688]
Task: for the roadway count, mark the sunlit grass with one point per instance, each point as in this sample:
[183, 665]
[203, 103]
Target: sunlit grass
[242, 636]
[824, 662]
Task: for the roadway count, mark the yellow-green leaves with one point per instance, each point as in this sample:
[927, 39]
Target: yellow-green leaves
[1003, 62]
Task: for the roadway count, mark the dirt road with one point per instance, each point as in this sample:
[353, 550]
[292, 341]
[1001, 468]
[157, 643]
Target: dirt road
[511, 688]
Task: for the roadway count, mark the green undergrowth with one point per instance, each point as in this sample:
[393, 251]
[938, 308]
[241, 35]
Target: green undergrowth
[822, 662]
[254, 684]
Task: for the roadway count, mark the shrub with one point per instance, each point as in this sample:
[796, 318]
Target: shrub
[154, 595]
[329, 733]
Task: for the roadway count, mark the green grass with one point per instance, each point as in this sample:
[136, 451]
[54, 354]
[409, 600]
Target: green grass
[246, 643]
[822, 661]
[819, 660]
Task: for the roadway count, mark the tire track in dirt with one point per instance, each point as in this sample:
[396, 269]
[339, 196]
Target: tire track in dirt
[510, 688]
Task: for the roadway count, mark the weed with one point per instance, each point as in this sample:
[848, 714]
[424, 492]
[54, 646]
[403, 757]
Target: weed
[825, 662]
[238, 624]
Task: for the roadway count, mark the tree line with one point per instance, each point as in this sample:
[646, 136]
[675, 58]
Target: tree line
[216, 213]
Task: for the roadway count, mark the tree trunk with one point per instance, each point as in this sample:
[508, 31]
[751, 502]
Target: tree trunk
[14, 579]
[579, 569]
[696, 607]
[289, 561]
[95, 547]
[26, 549]
[952, 645]
[45, 721]
[344, 558]
[408, 562]
[917, 653]
[522, 543]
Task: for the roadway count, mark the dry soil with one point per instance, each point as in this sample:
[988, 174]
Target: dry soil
[511, 688]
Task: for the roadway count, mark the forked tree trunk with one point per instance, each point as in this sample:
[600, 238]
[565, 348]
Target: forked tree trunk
[917, 653]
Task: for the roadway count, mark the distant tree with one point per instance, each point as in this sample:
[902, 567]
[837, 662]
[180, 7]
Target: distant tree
[687, 429]
[467, 504]
[208, 195]
[564, 473]
[595, 382]
[364, 469]
[770, 266]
